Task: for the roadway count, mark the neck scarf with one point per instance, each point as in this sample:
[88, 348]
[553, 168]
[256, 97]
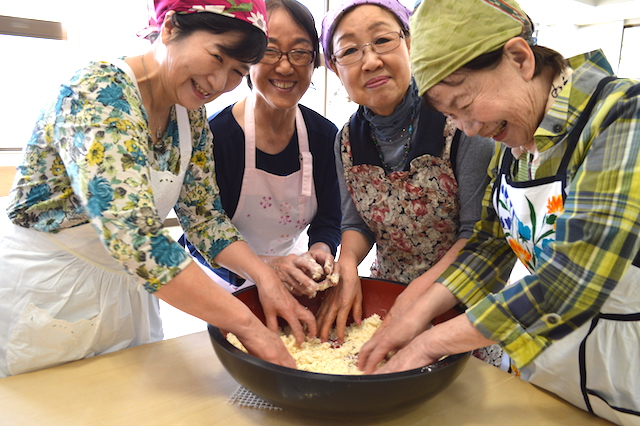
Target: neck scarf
[386, 128]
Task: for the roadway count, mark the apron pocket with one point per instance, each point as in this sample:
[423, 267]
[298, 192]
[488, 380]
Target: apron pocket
[39, 341]
[609, 365]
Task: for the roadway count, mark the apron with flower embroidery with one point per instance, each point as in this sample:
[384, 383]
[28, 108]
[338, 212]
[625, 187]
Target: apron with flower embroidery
[414, 214]
[590, 366]
[273, 210]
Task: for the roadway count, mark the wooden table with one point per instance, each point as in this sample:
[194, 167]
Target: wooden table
[181, 382]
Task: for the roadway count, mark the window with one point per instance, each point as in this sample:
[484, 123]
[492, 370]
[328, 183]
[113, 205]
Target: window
[629, 59]
[43, 43]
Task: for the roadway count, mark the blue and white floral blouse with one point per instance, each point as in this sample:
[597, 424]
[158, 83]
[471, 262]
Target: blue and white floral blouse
[88, 160]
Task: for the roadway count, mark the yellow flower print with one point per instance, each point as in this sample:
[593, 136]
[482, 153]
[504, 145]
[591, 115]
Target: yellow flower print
[124, 125]
[198, 194]
[67, 193]
[153, 283]
[555, 205]
[120, 250]
[145, 199]
[119, 123]
[520, 251]
[131, 145]
[95, 154]
[200, 159]
[57, 168]
[48, 133]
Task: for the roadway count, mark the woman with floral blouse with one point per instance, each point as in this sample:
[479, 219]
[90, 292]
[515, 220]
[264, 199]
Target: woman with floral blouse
[84, 256]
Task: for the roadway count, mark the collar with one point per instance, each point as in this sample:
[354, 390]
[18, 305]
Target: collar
[584, 73]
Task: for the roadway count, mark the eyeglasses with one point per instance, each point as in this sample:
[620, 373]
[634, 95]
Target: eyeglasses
[382, 44]
[298, 57]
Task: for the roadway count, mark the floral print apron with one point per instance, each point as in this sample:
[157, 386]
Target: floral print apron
[591, 366]
[414, 214]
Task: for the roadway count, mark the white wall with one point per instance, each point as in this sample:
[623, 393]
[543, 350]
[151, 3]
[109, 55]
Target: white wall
[98, 29]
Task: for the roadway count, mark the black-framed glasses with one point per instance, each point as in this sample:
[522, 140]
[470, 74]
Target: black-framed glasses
[298, 57]
[381, 44]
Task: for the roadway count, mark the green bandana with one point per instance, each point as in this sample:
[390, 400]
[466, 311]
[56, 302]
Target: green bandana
[447, 34]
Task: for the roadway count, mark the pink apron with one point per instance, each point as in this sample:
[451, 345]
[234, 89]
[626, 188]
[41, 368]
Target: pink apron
[273, 210]
[596, 366]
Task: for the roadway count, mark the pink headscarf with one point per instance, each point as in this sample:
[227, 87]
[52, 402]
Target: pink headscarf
[252, 11]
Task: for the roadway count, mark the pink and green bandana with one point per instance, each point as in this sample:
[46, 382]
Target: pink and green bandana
[253, 12]
[447, 34]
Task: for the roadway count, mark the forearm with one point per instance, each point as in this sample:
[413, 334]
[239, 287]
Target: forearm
[454, 336]
[354, 248]
[424, 281]
[240, 259]
[193, 292]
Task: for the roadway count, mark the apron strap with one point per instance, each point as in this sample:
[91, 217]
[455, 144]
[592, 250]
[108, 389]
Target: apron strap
[575, 133]
[306, 158]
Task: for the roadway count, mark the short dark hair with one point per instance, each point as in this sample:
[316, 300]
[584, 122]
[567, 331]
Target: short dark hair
[251, 46]
[303, 17]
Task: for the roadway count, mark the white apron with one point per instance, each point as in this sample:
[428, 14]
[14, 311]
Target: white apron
[273, 210]
[71, 300]
[597, 366]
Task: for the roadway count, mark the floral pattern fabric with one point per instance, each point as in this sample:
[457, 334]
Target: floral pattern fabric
[88, 160]
[414, 214]
[526, 230]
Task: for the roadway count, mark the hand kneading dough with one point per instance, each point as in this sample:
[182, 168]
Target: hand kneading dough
[318, 357]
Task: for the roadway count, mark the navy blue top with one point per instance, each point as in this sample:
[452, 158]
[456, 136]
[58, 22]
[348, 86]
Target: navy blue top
[229, 155]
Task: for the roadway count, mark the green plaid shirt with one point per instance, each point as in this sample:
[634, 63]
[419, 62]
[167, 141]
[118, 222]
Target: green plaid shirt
[596, 235]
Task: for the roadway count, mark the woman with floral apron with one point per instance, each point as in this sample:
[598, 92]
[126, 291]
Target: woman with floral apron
[410, 182]
[414, 214]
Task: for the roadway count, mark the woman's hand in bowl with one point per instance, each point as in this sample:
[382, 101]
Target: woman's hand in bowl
[339, 302]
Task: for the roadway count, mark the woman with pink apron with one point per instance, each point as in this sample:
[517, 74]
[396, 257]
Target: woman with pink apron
[273, 210]
[275, 164]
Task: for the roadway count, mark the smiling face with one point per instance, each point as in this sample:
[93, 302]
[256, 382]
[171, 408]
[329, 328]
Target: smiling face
[196, 70]
[281, 85]
[504, 103]
[377, 81]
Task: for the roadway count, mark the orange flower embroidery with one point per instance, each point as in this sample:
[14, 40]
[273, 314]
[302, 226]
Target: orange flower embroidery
[520, 251]
[555, 205]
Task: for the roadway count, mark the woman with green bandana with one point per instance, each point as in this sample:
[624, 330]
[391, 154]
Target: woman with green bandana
[564, 199]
